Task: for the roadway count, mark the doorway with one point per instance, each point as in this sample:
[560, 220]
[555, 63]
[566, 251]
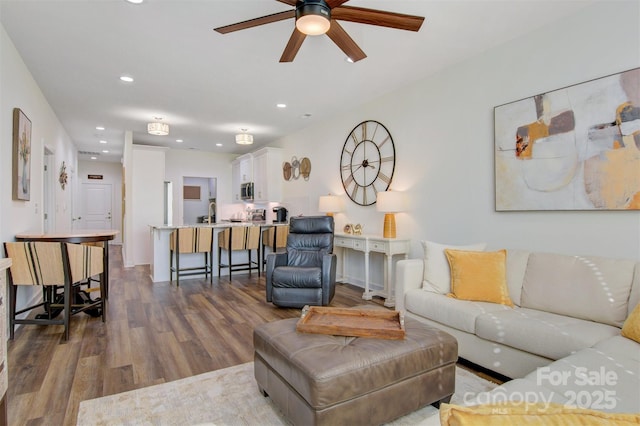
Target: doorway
[198, 199]
[96, 209]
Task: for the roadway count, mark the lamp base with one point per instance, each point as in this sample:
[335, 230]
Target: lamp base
[389, 230]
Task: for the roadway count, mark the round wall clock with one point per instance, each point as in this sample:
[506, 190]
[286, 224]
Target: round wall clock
[367, 163]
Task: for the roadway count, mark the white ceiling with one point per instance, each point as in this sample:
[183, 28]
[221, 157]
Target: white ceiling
[208, 86]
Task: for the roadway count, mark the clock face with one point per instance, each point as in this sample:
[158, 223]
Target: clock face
[367, 162]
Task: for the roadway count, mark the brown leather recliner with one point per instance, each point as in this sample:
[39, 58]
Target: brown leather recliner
[306, 273]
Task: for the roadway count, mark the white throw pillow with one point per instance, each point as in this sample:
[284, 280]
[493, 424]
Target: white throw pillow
[437, 274]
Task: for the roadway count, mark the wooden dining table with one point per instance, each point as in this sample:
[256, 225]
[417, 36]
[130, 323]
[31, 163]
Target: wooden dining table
[78, 237]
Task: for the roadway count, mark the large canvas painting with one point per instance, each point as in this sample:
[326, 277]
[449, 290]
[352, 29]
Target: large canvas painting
[21, 155]
[576, 148]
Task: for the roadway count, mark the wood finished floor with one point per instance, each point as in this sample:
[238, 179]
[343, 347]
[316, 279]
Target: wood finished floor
[154, 333]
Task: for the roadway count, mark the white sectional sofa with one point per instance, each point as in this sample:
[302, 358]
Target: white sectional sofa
[561, 339]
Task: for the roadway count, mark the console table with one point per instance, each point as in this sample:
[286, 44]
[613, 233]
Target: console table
[377, 244]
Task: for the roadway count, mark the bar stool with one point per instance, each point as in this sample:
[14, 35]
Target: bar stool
[239, 238]
[275, 238]
[191, 240]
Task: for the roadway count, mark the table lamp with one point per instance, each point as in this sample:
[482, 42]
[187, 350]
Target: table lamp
[329, 204]
[390, 202]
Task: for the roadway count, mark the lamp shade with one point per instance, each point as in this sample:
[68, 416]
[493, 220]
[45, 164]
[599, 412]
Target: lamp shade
[391, 202]
[158, 129]
[329, 204]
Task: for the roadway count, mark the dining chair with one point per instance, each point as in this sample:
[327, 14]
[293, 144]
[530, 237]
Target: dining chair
[239, 238]
[191, 240]
[54, 266]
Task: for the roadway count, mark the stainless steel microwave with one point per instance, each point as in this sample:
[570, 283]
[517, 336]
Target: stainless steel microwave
[246, 191]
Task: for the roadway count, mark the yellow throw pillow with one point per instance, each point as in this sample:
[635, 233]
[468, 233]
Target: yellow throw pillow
[479, 276]
[521, 413]
[631, 326]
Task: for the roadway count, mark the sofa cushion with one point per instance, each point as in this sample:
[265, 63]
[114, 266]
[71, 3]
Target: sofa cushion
[479, 276]
[631, 327]
[458, 314]
[541, 414]
[516, 268]
[634, 297]
[437, 277]
[622, 349]
[602, 377]
[590, 288]
[542, 333]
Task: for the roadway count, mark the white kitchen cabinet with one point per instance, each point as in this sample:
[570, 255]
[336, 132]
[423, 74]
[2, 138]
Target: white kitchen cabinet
[246, 168]
[235, 181]
[267, 178]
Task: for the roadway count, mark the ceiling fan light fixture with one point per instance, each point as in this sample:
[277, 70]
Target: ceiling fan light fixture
[313, 17]
[158, 129]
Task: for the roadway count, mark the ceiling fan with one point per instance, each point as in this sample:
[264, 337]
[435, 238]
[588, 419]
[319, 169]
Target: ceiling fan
[315, 17]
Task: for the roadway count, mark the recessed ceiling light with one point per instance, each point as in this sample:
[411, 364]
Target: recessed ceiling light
[179, 140]
[103, 141]
[106, 151]
[281, 105]
[348, 59]
[134, 1]
[93, 158]
[126, 78]
[218, 144]
[99, 128]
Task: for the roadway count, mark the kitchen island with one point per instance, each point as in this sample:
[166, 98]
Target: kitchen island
[160, 235]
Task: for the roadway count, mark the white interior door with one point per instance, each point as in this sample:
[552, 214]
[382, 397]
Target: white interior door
[96, 206]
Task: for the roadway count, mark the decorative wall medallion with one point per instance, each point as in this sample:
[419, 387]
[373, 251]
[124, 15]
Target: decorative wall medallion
[305, 168]
[63, 175]
[296, 168]
[286, 170]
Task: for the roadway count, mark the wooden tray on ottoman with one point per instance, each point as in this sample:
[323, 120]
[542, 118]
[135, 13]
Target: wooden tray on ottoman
[376, 323]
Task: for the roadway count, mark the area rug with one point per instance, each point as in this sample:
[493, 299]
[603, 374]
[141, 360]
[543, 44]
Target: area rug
[226, 397]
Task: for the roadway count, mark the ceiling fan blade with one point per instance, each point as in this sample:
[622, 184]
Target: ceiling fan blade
[380, 18]
[295, 41]
[334, 3]
[345, 42]
[256, 22]
[289, 2]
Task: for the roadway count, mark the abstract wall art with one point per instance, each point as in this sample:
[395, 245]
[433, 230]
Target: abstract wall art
[576, 148]
[21, 156]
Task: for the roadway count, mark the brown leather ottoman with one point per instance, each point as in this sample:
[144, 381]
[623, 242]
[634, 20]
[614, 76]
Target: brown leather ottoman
[322, 379]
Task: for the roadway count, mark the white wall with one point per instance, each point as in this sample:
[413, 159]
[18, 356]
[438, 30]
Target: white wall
[147, 197]
[18, 89]
[443, 132]
[112, 174]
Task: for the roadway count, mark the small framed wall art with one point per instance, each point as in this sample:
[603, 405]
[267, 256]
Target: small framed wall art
[21, 156]
[576, 148]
